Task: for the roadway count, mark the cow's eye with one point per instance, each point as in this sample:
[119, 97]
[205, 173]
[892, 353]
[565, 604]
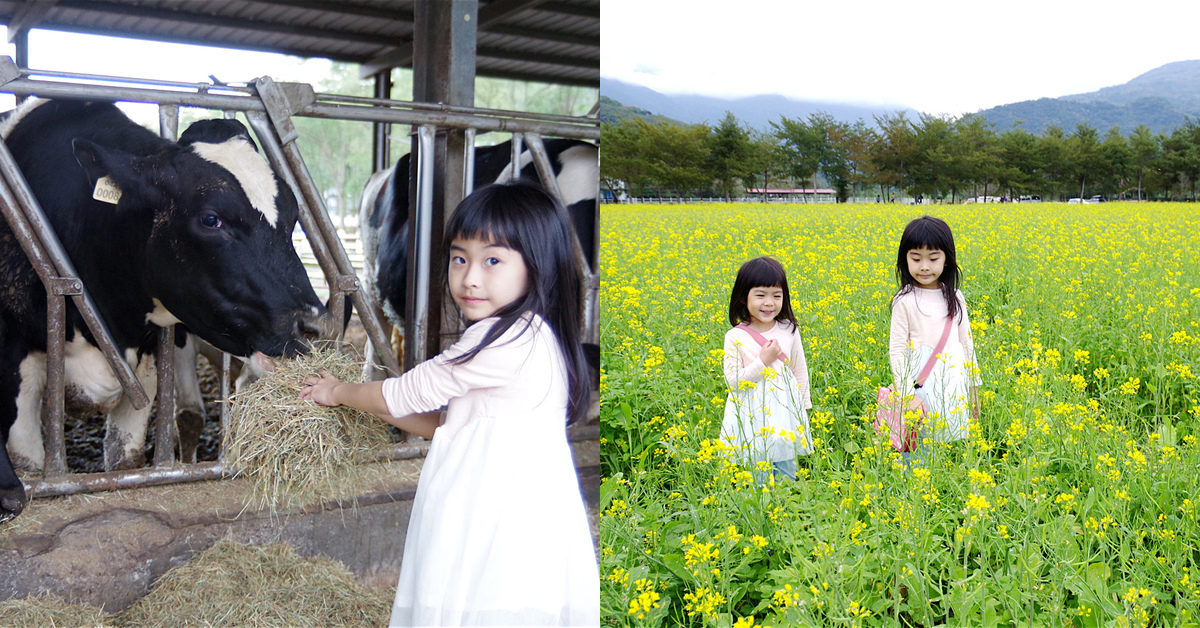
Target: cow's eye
[212, 221]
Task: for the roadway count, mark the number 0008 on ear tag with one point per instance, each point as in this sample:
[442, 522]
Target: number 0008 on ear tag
[106, 190]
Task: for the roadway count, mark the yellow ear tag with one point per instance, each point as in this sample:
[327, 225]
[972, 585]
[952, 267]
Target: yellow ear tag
[106, 191]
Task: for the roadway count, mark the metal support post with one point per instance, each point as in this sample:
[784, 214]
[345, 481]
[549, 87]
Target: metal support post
[166, 432]
[381, 131]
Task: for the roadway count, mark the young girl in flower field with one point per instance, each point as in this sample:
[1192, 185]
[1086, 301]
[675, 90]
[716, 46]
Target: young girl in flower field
[928, 273]
[766, 414]
[498, 534]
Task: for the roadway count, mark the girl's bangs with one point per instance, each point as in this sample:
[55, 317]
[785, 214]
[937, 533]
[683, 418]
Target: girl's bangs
[479, 223]
[926, 234]
[763, 274]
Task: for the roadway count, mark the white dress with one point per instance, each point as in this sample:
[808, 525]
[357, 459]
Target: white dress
[778, 404]
[915, 316]
[498, 534]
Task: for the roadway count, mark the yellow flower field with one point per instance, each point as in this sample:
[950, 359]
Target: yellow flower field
[1071, 504]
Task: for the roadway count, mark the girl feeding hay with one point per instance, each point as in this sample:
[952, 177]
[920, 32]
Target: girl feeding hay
[498, 535]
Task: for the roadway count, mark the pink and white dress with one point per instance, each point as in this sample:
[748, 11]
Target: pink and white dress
[766, 412]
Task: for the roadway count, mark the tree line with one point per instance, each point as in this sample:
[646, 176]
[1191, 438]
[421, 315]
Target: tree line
[938, 157]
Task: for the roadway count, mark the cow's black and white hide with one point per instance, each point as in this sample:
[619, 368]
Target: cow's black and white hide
[201, 235]
[384, 211]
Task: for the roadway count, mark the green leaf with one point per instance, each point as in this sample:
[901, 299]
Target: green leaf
[1166, 433]
[1097, 577]
[675, 563]
[608, 488]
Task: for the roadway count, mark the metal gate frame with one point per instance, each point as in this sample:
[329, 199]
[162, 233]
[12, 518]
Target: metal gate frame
[269, 108]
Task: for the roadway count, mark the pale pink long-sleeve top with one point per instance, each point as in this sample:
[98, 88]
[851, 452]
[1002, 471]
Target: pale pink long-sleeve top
[918, 319]
[742, 364]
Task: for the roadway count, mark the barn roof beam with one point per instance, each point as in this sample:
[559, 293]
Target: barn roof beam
[571, 9]
[540, 78]
[491, 19]
[28, 16]
[556, 60]
[341, 8]
[575, 40]
[225, 22]
[500, 10]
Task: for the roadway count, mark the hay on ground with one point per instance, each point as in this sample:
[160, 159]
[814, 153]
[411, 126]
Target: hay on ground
[51, 611]
[236, 584]
[291, 450]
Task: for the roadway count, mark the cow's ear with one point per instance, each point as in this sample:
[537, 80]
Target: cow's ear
[99, 162]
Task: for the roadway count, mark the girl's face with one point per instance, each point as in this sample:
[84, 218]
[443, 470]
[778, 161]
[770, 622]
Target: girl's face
[926, 266]
[764, 303]
[485, 276]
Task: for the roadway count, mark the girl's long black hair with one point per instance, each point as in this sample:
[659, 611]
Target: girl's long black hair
[932, 233]
[528, 220]
[759, 272]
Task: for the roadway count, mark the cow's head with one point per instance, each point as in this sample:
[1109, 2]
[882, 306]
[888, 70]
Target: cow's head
[219, 255]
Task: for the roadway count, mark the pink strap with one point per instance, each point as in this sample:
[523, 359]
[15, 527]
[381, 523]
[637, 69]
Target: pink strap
[759, 338]
[938, 349]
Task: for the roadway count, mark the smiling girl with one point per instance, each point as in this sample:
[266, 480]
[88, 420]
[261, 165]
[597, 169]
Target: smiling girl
[498, 534]
[766, 413]
[928, 273]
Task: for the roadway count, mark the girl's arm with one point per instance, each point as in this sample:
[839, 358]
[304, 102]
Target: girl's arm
[968, 341]
[368, 397]
[327, 390]
[433, 383]
[422, 424]
[898, 347]
[800, 368]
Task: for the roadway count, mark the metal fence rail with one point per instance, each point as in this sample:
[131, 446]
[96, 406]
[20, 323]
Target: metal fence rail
[269, 108]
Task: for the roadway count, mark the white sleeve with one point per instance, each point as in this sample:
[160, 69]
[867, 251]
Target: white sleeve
[434, 382]
[800, 369]
[898, 346]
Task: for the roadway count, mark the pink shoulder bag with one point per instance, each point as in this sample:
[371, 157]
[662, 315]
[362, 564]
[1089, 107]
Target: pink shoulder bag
[759, 338]
[889, 412]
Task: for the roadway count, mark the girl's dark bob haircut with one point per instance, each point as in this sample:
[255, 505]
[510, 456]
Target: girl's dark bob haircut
[759, 272]
[931, 233]
[526, 219]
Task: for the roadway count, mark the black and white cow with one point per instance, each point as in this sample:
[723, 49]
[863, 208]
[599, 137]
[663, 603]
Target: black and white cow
[384, 211]
[200, 235]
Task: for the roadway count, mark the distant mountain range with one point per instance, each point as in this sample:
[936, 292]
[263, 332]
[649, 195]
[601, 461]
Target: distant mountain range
[1162, 99]
[755, 111]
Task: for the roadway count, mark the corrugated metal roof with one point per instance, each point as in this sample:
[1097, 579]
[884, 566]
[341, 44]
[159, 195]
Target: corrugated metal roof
[555, 41]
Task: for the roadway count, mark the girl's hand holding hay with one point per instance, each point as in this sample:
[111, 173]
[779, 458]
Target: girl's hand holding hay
[329, 391]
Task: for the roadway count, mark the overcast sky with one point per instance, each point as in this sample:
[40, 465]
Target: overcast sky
[936, 56]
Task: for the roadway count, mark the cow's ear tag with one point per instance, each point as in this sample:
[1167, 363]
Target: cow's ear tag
[106, 190]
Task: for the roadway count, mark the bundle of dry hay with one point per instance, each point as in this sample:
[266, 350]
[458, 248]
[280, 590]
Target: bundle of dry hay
[51, 611]
[291, 450]
[235, 584]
